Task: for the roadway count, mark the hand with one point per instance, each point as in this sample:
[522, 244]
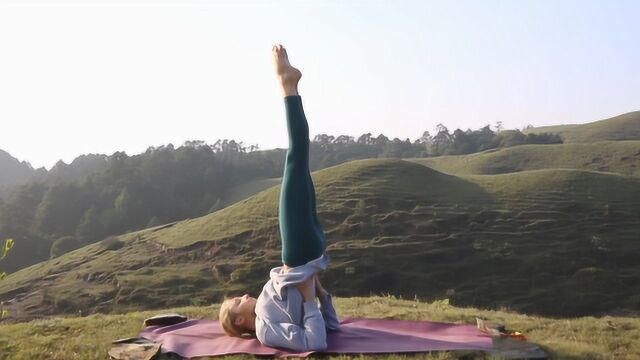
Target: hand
[307, 288]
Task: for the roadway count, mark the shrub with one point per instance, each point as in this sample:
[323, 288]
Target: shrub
[8, 244]
[63, 245]
[111, 243]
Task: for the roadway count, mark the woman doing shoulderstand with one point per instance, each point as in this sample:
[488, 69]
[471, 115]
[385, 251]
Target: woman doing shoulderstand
[286, 314]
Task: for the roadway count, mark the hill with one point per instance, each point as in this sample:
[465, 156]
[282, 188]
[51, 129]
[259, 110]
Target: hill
[243, 191]
[555, 242]
[96, 195]
[89, 338]
[621, 127]
[622, 157]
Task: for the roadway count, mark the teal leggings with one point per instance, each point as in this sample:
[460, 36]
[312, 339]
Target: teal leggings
[302, 235]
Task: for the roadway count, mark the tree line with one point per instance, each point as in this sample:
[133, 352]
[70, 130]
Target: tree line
[81, 203]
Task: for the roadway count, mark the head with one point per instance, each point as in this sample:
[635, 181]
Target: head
[237, 315]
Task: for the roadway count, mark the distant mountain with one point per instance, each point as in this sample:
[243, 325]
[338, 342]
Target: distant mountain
[621, 127]
[13, 171]
[77, 170]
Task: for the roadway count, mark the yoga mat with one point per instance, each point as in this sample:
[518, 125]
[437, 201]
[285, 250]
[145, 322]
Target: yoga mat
[195, 338]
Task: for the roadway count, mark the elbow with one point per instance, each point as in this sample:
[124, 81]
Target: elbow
[318, 343]
[318, 346]
[313, 345]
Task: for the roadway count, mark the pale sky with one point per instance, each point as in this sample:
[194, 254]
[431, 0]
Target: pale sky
[80, 77]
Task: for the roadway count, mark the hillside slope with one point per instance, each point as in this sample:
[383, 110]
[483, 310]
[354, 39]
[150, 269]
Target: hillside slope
[622, 157]
[557, 242]
[621, 127]
[243, 191]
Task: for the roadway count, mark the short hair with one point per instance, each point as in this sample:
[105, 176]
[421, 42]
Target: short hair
[228, 321]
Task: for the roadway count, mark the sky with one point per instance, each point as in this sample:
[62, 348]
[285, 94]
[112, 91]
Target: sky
[80, 77]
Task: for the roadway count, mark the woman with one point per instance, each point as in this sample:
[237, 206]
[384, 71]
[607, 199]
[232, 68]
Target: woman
[286, 314]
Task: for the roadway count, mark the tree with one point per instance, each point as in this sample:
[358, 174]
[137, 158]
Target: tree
[17, 215]
[508, 138]
[365, 139]
[254, 147]
[8, 244]
[60, 210]
[194, 143]
[130, 209]
[324, 140]
[462, 143]
[63, 245]
[380, 140]
[485, 138]
[90, 227]
[426, 138]
[397, 148]
[344, 140]
[441, 141]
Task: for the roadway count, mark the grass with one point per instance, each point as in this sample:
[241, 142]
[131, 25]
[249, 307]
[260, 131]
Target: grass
[621, 127]
[247, 189]
[621, 157]
[90, 337]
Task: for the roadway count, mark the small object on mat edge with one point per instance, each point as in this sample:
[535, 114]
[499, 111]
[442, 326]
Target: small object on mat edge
[164, 319]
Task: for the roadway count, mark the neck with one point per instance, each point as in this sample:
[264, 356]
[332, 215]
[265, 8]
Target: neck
[250, 324]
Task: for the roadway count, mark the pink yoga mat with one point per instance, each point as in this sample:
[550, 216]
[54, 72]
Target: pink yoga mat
[195, 338]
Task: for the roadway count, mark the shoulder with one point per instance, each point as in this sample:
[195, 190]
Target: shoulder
[261, 329]
[265, 297]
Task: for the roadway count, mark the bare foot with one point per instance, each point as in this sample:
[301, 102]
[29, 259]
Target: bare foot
[289, 76]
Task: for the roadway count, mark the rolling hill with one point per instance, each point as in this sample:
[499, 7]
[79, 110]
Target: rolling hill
[554, 242]
[621, 127]
[243, 191]
[621, 157]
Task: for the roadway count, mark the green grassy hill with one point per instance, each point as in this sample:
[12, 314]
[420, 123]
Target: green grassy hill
[622, 157]
[89, 338]
[245, 190]
[555, 242]
[621, 127]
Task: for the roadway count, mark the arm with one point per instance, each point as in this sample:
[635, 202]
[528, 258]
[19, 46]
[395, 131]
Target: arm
[311, 336]
[326, 307]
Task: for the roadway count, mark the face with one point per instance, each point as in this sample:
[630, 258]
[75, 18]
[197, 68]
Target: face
[242, 305]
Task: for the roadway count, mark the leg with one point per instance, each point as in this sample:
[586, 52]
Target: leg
[302, 235]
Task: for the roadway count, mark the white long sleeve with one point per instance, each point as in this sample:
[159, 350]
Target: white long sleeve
[311, 336]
